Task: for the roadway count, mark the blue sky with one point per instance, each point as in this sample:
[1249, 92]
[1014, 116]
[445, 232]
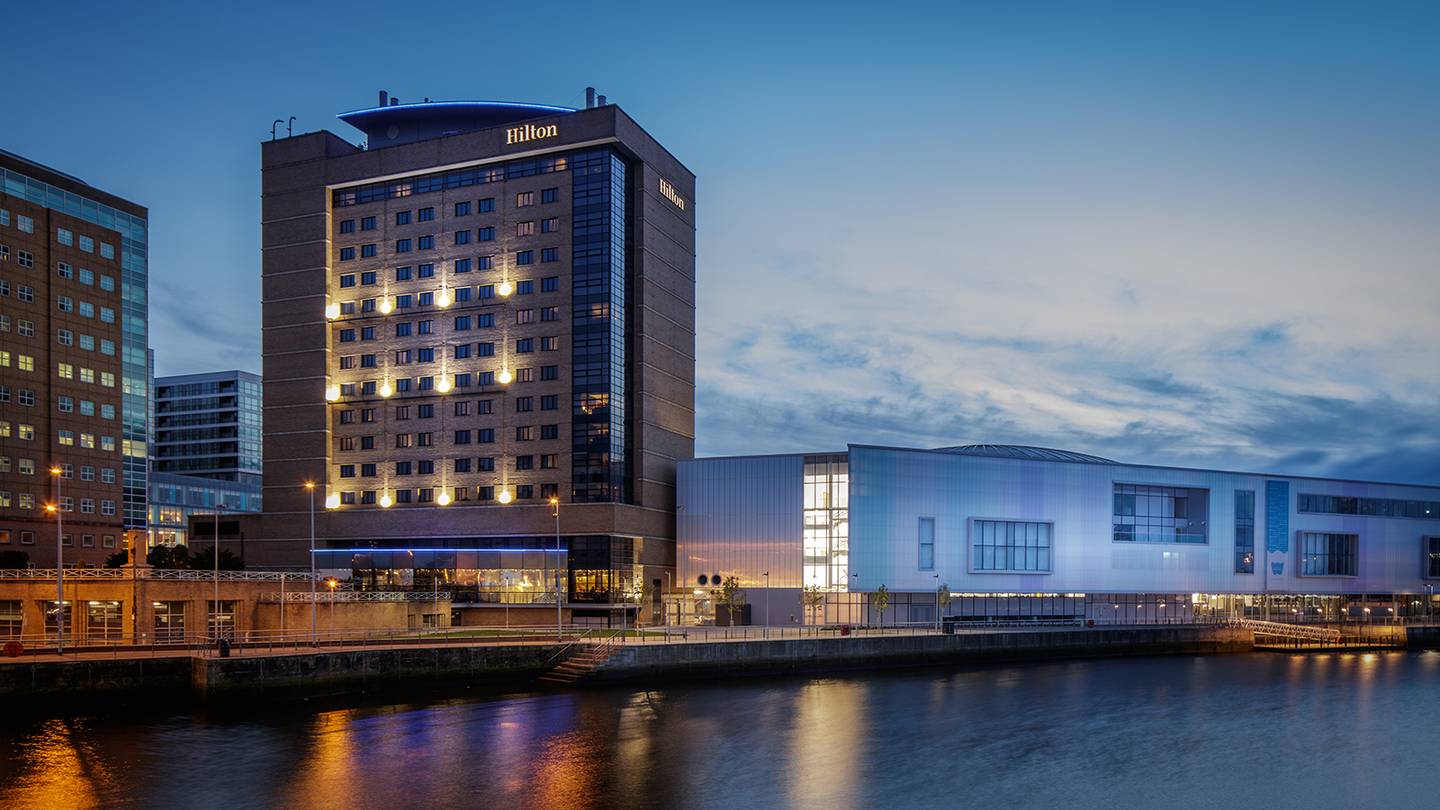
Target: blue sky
[1201, 234]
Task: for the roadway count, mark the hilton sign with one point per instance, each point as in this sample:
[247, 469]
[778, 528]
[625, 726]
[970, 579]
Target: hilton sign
[670, 194]
[530, 132]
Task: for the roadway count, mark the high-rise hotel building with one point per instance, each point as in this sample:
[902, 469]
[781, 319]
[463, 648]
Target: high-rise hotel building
[485, 306]
[73, 370]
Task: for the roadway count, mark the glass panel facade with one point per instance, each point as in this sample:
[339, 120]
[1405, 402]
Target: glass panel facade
[1154, 514]
[1244, 531]
[927, 544]
[1373, 507]
[12, 618]
[169, 621]
[102, 620]
[826, 554]
[1432, 557]
[1323, 554]
[220, 619]
[1010, 545]
[599, 471]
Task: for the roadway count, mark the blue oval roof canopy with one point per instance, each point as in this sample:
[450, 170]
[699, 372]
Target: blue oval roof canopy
[395, 124]
[1023, 452]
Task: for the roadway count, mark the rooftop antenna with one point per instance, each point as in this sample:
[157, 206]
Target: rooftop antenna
[290, 127]
[277, 123]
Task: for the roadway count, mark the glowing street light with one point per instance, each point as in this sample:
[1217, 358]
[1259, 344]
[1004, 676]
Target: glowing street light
[310, 486]
[57, 509]
[504, 376]
[443, 498]
[386, 501]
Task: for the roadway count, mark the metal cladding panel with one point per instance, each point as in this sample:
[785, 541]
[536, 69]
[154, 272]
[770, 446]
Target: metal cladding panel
[740, 517]
[892, 489]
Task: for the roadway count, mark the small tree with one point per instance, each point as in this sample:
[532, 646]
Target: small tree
[204, 560]
[117, 560]
[811, 597]
[942, 599]
[168, 557]
[733, 597]
[11, 558]
[881, 600]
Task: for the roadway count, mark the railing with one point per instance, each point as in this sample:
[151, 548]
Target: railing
[1289, 631]
[185, 574]
[327, 596]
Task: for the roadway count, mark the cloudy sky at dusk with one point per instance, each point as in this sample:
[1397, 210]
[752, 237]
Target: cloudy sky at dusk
[1207, 237]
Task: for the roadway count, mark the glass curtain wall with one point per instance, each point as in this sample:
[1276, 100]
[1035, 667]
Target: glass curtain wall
[827, 523]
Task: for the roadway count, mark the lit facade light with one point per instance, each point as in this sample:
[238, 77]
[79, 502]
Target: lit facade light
[332, 393]
[504, 376]
[442, 298]
[386, 501]
[56, 471]
[443, 384]
[505, 496]
[386, 305]
[504, 288]
[332, 311]
[385, 389]
[443, 499]
[332, 501]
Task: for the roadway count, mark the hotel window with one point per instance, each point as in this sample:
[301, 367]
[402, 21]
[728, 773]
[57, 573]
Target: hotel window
[1324, 554]
[347, 226]
[549, 431]
[66, 337]
[367, 224]
[526, 287]
[1010, 546]
[65, 270]
[525, 257]
[462, 209]
[425, 243]
[524, 345]
[486, 234]
[550, 284]
[549, 255]
[524, 198]
[65, 304]
[347, 280]
[347, 254]
[86, 277]
[1432, 557]
[426, 215]
[25, 258]
[1154, 514]
[1244, 531]
[524, 316]
[25, 224]
[64, 237]
[87, 244]
[402, 273]
[485, 435]
[402, 245]
[485, 263]
[550, 225]
[462, 265]
[425, 271]
[402, 217]
[549, 344]
[367, 279]
[549, 195]
[367, 251]
[549, 461]
[487, 205]
[525, 228]
[462, 323]
[107, 250]
[524, 492]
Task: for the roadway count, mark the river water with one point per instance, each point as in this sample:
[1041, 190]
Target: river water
[1258, 730]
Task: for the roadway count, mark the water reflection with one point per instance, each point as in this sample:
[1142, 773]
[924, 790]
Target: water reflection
[1316, 730]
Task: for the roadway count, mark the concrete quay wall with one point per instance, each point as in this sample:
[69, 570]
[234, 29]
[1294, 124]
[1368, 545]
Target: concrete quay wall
[639, 662]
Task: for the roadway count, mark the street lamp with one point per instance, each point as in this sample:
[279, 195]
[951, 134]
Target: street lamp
[936, 577]
[332, 583]
[310, 485]
[59, 510]
[215, 604]
[767, 604]
[555, 510]
[59, 474]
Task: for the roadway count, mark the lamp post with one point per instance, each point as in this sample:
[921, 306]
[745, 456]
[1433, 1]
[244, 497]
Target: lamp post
[310, 485]
[767, 604]
[559, 622]
[936, 577]
[332, 583]
[59, 564]
[215, 603]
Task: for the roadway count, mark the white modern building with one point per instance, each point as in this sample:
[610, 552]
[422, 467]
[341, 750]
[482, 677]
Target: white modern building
[1033, 533]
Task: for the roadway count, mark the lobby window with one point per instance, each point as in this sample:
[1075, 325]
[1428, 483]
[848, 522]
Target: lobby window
[1325, 554]
[999, 546]
[1244, 531]
[1155, 514]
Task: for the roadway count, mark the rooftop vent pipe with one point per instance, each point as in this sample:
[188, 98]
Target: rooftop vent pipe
[600, 101]
[589, 97]
[384, 98]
